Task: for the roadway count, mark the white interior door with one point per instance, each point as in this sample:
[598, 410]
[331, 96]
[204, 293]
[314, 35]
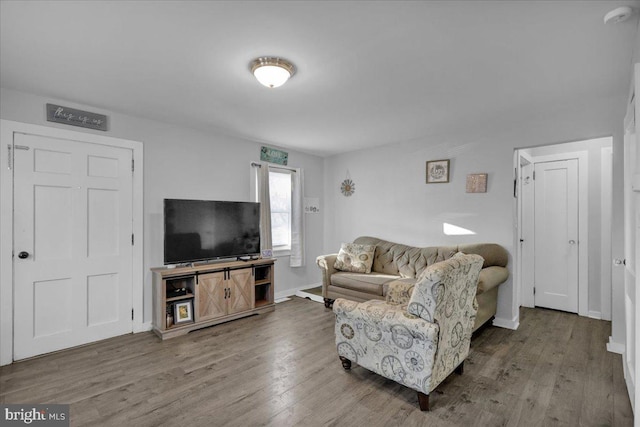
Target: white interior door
[556, 235]
[72, 243]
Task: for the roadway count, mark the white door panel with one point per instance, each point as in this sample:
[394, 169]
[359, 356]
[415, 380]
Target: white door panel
[73, 216]
[556, 235]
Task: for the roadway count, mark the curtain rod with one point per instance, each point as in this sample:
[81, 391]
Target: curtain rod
[258, 165]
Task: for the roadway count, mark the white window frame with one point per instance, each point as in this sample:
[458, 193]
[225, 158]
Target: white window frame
[282, 250]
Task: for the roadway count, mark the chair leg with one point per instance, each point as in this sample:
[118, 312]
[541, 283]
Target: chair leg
[346, 363]
[460, 369]
[423, 401]
[328, 302]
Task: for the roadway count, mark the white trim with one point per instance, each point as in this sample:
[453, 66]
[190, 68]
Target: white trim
[292, 292]
[583, 227]
[312, 297]
[142, 327]
[7, 129]
[523, 298]
[631, 388]
[507, 323]
[595, 315]
[615, 347]
[606, 188]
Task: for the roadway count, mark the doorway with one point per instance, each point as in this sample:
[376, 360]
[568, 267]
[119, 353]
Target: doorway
[560, 255]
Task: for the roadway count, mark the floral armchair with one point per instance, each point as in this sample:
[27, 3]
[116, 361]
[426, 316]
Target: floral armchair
[421, 334]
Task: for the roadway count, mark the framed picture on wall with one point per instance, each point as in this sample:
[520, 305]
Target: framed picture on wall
[437, 171]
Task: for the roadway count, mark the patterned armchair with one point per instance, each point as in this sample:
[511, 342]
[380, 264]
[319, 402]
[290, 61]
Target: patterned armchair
[421, 334]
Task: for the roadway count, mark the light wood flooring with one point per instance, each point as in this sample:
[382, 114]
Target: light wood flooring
[281, 369]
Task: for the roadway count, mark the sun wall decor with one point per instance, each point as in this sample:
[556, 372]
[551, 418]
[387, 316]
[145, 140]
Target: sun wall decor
[347, 187]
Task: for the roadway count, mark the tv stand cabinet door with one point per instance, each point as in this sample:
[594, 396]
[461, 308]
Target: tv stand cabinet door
[210, 296]
[241, 285]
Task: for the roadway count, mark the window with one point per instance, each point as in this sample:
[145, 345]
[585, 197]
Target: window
[279, 191]
[280, 199]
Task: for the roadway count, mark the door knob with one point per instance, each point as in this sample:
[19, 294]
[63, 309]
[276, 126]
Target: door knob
[572, 242]
[23, 255]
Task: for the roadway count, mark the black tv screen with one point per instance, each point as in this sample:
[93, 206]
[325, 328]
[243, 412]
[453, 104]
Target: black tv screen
[200, 230]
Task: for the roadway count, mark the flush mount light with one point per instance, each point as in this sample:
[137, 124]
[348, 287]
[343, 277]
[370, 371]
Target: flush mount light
[272, 72]
[618, 15]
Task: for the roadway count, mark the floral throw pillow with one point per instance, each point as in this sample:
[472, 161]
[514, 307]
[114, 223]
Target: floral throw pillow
[355, 258]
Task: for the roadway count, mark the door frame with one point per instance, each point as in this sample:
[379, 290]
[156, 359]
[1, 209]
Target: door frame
[522, 240]
[527, 295]
[7, 130]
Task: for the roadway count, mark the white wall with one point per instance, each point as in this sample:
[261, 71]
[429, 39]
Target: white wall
[392, 200]
[594, 149]
[186, 163]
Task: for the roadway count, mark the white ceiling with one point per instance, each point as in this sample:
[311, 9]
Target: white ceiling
[369, 73]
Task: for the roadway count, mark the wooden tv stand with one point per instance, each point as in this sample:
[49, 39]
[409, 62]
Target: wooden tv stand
[216, 292]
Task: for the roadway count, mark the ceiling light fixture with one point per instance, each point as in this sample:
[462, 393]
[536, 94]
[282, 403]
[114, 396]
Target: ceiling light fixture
[618, 15]
[272, 72]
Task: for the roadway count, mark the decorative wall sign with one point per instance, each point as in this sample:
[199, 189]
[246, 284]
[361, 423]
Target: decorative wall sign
[437, 171]
[272, 155]
[73, 117]
[477, 183]
[311, 205]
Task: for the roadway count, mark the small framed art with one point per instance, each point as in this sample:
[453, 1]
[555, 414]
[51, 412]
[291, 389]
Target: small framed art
[477, 183]
[437, 171]
[182, 312]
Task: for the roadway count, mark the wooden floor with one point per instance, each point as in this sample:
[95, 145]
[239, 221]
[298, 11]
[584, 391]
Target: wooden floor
[281, 369]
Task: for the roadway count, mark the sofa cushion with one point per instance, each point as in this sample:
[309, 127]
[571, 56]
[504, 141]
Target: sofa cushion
[355, 258]
[373, 283]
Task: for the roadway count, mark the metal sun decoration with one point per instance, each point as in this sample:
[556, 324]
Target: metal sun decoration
[347, 187]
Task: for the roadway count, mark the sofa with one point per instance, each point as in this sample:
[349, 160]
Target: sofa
[397, 262]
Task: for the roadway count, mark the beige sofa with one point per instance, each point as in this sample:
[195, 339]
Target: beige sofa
[393, 261]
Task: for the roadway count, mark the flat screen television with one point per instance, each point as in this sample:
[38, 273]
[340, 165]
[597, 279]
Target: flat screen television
[202, 230]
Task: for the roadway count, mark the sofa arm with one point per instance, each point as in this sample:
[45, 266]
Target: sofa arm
[490, 277]
[326, 262]
[387, 318]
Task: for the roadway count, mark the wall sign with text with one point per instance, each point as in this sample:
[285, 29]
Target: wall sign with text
[272, 155]
[73, 117]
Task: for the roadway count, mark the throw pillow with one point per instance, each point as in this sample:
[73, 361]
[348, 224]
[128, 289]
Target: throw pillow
[355, 258]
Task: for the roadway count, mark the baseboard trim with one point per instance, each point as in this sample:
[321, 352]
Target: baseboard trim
[142, 327]
[291, 292]
[594, 315]
[312, 297]
[615, 347]
[631, 388]
[507, 323]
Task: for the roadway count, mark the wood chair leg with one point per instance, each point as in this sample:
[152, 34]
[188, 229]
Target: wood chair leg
[460, 369]
[328, 302]
[423, 401]
[346, 363]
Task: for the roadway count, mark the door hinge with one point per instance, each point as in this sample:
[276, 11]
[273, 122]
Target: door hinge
[534, 290]
[534, 175]
[132, 314]
[133, 165]
[133, 240]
